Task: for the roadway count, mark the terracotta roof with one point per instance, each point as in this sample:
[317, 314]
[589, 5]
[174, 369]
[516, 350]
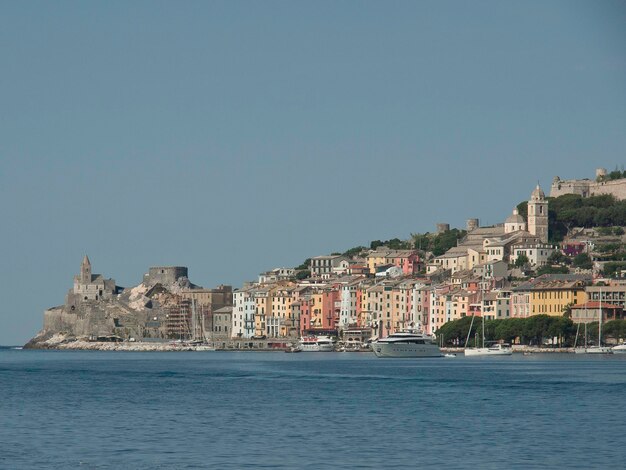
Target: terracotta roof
[595, 304]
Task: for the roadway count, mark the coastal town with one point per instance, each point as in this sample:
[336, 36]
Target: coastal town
[515, 269]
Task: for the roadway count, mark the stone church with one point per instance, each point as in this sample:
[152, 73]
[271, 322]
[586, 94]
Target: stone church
[90, 287]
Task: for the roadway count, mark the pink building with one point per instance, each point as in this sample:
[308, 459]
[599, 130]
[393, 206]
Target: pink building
[305, 315]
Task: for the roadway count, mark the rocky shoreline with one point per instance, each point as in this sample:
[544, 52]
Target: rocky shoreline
[65, 342]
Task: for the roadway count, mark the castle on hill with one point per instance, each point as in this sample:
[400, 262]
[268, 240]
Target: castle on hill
[586, 187]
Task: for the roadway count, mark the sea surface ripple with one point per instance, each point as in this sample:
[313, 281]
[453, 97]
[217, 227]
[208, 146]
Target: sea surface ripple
[229, 410]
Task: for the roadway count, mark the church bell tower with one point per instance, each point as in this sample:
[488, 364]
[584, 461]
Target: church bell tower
[85, 271]
[538, 215]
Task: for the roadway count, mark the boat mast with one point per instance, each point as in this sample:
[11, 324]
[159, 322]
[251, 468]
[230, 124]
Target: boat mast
[482, 308]
[482, 318]
[469, 332]
[600, 319]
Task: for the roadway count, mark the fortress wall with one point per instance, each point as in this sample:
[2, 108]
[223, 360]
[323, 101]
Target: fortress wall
[79, 323]
[165, 274]
[586, 188]
[580, 187]
[616, 187]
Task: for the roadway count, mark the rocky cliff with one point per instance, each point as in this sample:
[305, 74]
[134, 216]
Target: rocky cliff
[136, 313]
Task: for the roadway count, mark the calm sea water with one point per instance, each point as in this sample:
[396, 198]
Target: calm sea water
[107, 410]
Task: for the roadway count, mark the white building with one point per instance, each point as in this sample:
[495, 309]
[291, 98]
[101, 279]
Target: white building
[537, 253]
[325, 266]
[277, 274]
[348, 304]
[244, 309]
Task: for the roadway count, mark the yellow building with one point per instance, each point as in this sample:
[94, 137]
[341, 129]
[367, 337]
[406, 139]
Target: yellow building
[457, 304]
[281, 311]
[551, 294]
[402, 315]
[372, 305]
[263, 307]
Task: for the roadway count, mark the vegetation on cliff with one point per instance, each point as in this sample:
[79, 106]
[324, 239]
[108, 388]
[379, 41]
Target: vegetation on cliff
[614, 175]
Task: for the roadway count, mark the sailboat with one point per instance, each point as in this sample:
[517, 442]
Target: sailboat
[599, 349]
[495, 349]
[199, 341]
[581, 349]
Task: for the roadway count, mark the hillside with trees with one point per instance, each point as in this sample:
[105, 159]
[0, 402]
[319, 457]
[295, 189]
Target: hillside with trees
[572, 210]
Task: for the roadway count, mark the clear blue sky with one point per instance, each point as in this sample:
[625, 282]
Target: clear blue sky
[234, 137]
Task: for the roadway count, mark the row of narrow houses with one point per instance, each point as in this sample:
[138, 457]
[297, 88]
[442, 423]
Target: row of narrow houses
[386, 290]
[383, 306]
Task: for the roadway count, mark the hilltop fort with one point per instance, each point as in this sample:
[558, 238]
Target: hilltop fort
[603, 184]
[97, 309]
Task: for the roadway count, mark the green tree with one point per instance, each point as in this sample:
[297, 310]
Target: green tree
[521, 261]
[375, 244]
[613, 269]
[302, 275]
[614, 329]
[583, 261]
[446, 240]
[533, 330]
[421, 241]
[559, 258]
[352, 252]
[305, 264]
[455, 332]
[522, 209]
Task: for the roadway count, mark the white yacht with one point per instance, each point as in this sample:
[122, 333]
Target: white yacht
[317, 344]
[406, 343]
[619, 349]
[496, 349]
[594, 350]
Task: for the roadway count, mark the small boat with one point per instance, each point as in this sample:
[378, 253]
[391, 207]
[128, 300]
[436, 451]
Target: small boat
[498, 349]
[317, 344]
[293, 349]
[594, 350]
[449, 355]
[619, 349]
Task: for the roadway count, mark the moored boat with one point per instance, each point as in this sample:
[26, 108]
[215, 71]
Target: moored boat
[317, 344]
[619, 349]
[406, 343]
[599, 349]
[497, 349]
[594, 350]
